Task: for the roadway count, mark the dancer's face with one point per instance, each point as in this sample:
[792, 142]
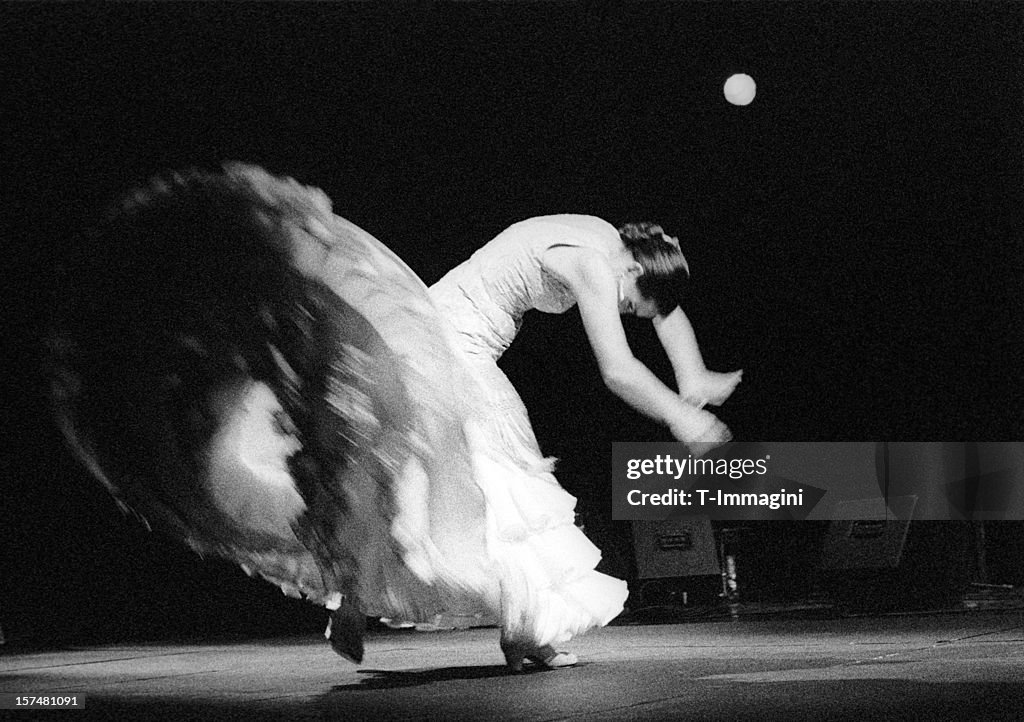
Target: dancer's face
[631, 301]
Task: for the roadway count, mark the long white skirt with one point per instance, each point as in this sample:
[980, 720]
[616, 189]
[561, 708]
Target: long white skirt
[429, 496]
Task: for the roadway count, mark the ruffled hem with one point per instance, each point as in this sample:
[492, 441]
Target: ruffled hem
[549, 588]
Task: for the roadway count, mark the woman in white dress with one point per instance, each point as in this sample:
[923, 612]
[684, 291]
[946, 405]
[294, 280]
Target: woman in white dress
[550, 264]
[266, 382]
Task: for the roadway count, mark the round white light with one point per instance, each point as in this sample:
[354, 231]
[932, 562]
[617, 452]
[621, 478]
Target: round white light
[740, 89]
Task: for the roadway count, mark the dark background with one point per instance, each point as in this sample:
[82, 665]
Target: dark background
[855, 234]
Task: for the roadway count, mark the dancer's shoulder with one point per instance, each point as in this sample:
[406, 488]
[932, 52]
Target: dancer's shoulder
[578, 264]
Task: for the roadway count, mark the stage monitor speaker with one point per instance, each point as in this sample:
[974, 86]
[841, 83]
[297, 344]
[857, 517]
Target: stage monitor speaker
[858, 540]
[675, 548]
[895, 564]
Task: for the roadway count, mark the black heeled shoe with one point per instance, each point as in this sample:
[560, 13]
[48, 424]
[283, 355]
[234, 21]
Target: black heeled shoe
[546, 656]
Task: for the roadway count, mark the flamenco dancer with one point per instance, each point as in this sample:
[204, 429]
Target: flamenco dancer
[263, 380]
[550, 264]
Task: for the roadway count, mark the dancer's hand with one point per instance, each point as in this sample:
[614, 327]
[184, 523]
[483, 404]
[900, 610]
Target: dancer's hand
[710, 388]
[701, 430]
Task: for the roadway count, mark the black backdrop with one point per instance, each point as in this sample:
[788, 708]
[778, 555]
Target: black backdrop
[854, 233]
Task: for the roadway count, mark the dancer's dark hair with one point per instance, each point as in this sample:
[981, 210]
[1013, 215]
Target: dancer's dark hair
[666, 273]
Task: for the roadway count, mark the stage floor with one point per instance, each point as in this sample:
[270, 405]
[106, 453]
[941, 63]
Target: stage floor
[937, 666]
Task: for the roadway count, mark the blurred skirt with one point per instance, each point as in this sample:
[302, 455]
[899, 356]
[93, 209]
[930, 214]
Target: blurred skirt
[287, 395]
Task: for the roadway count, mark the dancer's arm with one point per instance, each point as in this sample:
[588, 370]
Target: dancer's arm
[593, 283]
[695, 382]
